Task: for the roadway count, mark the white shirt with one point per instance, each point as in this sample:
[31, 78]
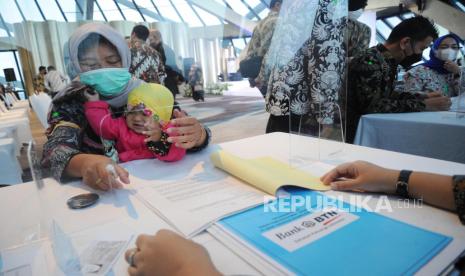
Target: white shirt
[55, 81]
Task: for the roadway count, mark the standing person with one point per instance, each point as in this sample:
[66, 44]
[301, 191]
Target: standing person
[73, 149]
[196, 82]
[173, 74]
[261, 40]
[304, 67]
[39, 80]
[359, 34]
[54, 81]
[440, 73]
[373, 72]
[146, 62]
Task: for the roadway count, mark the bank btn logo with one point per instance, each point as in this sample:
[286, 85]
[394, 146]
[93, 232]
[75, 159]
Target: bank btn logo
[307, 229]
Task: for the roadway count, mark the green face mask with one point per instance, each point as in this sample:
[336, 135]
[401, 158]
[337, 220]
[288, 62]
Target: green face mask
[107, 82]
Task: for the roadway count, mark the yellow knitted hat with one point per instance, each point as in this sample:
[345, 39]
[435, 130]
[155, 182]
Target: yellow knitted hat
[154, 99]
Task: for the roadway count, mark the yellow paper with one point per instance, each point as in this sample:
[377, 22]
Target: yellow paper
[265, 173]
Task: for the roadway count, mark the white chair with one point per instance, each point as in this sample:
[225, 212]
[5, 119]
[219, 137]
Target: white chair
[41, 104]
[10, 170]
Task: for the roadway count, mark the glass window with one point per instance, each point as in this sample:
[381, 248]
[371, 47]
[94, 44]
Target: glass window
[442, 31]
[238, 7]
[208, 18]
[221, 2]
[408, 15]
[71, 10]
[239, 45]
[253, 3]
[8, 61]
[264, 13]
[383, 29]
[13, 15]
[167, 10]
[110, 10]
[187, 13]
[130, 12]
[50, 10]
[30, 10]
[3, 32]
[460, 5]
[393, 21]
[148, 10]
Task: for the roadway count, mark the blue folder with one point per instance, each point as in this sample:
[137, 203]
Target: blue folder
[371, 244]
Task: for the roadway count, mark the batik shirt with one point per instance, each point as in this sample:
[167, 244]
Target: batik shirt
[425, 79]
[262, 34]
[371, 88]
[146, 63]
[358, 37]
[305, 76]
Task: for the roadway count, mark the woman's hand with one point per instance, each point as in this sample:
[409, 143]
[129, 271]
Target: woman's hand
[361, 175]
[153, 131]
[187, 131]
[167, 253]
[95, 173]
[91, 97]
[452, 67]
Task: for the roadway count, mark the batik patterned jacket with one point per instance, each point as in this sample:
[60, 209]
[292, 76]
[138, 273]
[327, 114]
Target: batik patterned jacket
[306, 62]
[146, 64]
[371, 88]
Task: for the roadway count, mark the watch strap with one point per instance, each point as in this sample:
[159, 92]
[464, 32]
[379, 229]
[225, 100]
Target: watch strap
[402, 183]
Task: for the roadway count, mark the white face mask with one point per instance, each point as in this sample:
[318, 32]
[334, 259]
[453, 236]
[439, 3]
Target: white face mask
[447, 54]
[355, 14]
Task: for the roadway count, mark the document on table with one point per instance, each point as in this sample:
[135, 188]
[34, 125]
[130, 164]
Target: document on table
[192, 204]
[265, 173]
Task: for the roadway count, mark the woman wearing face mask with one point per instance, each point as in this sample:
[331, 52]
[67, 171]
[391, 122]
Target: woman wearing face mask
[441, 72]
[98, 57]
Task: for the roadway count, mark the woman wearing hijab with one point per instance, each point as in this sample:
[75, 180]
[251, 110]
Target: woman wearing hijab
[98, 59]
[440, 73]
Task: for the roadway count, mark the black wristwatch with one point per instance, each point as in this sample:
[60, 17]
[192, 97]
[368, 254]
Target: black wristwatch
[402, 183]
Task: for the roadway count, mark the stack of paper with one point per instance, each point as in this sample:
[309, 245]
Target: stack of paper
[326, 240]
[206, 195]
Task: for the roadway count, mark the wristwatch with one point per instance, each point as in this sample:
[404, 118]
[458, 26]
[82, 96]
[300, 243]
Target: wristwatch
[402, 183]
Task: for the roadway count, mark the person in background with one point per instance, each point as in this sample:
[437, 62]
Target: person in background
[440, 73]
[261, 40]
[54, 81]
[167, 253]
[196, 82]
[39, 80]
[146, 62]
[359, 34]
[372, 74]
[173, 74]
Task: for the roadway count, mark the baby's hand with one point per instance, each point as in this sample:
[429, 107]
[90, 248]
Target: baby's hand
[92, 96]
[152, 131]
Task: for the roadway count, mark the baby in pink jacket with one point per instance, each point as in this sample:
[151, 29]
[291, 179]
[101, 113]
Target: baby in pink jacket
[147, 102]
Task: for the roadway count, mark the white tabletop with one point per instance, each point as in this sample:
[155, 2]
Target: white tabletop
[124, 214]
[431, 134]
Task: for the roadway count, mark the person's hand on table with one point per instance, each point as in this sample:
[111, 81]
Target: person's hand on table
[186, 132]
[167, 253]
[435, 101]
[361, 175]
[452, 67]
[95, 174]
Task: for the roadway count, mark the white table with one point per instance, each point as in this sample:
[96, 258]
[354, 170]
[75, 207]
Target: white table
[121, 213]
[439, 135]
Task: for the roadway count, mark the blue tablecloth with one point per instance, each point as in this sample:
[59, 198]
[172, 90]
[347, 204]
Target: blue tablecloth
[439, 135]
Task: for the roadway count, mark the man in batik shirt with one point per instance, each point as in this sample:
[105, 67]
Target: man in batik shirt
[146, 62]
[372, 74]
[261, 38]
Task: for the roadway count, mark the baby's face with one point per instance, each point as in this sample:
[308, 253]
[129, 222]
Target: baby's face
[136, 121]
